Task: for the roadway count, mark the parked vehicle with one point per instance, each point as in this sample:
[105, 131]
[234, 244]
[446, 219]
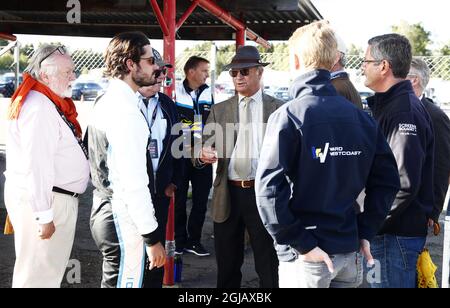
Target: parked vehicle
[8, 84]
[282, 93]
[87, 91]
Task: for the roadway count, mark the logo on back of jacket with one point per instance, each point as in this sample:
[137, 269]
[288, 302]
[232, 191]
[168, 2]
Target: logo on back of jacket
[322, 153]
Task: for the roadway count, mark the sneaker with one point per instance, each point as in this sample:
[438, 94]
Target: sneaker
[179, 251]
[197, 249]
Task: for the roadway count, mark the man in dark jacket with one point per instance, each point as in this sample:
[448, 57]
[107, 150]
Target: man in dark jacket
[319, 153]
[194, 101]
[340, 78]
[408, 130]
[419, 75]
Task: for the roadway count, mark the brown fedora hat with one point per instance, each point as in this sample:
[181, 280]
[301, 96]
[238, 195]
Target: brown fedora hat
[246, 56]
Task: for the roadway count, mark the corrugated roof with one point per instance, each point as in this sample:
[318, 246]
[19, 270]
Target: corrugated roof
[272, 19]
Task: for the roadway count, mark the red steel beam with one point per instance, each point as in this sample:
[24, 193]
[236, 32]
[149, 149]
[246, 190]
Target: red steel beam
[187, 13]
[7, 36]
[226, 17]
[240, 38]
[159, 16]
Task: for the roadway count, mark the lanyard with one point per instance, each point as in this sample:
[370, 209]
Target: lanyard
[72, 128]
[155, 113]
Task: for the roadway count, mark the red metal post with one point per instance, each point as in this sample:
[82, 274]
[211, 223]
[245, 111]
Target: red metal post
[169, 57]
[8, 36]
[169, 43]
[187, 14]
[240, 38]
[159, 17]
[226, 17]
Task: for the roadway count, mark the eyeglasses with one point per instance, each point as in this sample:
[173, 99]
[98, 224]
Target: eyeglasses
[61, 49]
[160, 71]
[243, 71]
[371, 61]
[151, 60]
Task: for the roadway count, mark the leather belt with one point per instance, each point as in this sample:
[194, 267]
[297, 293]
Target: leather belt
[243, 184]
[65, 192]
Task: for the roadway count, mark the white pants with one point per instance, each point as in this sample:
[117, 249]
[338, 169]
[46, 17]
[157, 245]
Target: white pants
[132, 248]
[41, 263]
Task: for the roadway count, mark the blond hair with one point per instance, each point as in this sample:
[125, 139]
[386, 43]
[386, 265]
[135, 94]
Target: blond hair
[315, 45]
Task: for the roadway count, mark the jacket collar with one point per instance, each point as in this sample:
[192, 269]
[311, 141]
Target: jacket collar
[401, 88]
[316, 82]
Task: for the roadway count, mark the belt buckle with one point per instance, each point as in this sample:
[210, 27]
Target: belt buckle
[243, 185]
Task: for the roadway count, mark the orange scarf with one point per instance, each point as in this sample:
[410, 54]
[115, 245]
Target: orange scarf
[66, 105]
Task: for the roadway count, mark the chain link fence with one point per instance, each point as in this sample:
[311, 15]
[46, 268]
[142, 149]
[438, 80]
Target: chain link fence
[87, 61]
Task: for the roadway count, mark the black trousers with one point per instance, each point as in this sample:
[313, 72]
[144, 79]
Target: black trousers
[103, 232]
[190, 231]
[229, 243]
[154, 278]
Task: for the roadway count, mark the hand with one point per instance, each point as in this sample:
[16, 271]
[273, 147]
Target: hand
[46, 231]
[317, 255]
[430, 222]
[156, 255]
[365, 251]
[170, 190]
[208, 155]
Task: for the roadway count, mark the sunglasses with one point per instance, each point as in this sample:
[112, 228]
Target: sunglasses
[150, 60]
[243, 71]
[160, 71]
[61, 49]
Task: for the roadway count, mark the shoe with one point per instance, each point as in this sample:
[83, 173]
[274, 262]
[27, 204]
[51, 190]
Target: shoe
[179, 251]
[197, 249]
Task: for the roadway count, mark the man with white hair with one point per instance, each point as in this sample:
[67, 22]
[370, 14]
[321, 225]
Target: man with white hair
[319, 153]
[340, 78]
[46, 169]
[419, 75]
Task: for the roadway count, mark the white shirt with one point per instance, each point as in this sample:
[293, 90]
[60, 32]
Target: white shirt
[256, 107]
[41, 153]
[117, 115]
[159, 128]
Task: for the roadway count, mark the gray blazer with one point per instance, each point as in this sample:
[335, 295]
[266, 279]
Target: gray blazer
[222, 114]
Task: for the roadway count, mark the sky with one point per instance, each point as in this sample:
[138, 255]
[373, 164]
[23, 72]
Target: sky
[355, 20]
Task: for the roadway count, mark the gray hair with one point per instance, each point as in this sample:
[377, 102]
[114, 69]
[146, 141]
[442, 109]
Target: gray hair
[45, 53]
[394, 48]
[420, 68]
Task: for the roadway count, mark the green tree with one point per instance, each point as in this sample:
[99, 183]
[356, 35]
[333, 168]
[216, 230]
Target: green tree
[354, 50]
[445, 50]
[417, 35]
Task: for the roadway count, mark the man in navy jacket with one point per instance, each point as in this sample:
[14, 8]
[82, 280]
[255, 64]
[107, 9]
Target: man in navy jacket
[319, 153]
[407, 127]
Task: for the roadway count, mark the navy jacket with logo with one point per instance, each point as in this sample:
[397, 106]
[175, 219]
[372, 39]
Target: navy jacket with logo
[409, 131]
[319, 153]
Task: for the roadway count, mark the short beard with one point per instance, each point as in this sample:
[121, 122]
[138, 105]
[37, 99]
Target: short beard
[142, 81]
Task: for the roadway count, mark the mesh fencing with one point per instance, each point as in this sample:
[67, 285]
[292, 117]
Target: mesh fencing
[87, 61]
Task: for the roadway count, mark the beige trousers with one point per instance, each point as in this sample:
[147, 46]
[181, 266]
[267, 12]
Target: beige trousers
[41, 263]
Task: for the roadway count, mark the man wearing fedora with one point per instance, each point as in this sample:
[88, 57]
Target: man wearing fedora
[242, 120]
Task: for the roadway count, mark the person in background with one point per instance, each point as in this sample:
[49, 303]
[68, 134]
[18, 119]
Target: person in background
[164, 171]
[340, 78]
[46, 169]
[194, 101]
[419, 75]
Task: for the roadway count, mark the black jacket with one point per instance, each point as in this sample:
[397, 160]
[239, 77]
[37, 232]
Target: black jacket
[441, 125]
[409, 131]
[170, 169]
[319, 153]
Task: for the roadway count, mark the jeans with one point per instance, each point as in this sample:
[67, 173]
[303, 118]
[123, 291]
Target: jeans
[348, 273]
[397, 258]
